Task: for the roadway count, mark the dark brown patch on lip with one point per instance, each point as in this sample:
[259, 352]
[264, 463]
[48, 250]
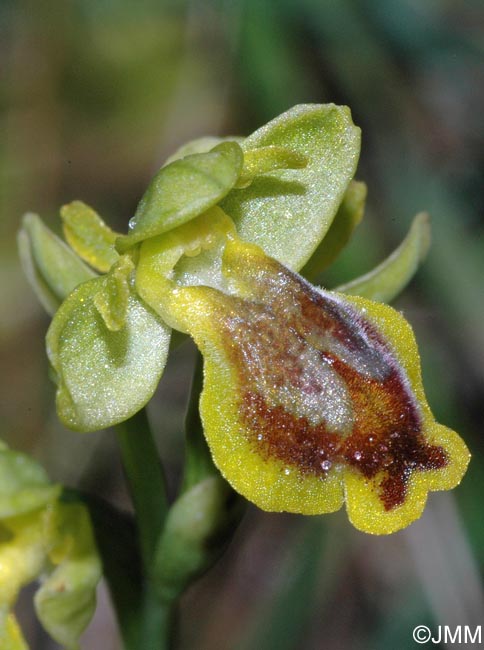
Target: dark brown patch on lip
[386, 437]
[266, 339]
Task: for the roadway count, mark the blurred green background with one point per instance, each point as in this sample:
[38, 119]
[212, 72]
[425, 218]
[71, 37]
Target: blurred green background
[94, 95]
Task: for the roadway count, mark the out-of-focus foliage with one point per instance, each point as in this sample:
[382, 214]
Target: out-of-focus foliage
[96, 95]
[47, 540]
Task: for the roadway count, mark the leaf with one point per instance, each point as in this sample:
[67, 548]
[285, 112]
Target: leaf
[349, 215]
[52, 268]
[182, 190]
[281, 620]
[89, 236]
[288, 211]
[103, 376]
[390, 277]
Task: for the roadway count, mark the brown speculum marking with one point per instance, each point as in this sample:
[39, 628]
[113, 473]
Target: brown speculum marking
[320, 387]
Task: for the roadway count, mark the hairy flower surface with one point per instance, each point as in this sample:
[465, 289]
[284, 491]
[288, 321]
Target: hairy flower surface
[310, 397]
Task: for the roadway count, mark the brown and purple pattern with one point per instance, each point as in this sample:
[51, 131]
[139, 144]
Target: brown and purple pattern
[319, 386]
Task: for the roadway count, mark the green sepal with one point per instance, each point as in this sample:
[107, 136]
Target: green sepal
[200, 145]
[182, 190]
[390, 277]
[112, 299]
[198, 527]
[51, 267]
[267, 159]
[349, 215]
[66, 600]
[89, 236]
[288, 211]
[104, 376]
[24, 485]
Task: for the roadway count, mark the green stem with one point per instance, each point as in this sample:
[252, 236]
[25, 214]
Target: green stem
[144, 621]
[158, 623]
[203, 518]
[198, 459]
[146, 482]
[152, 620]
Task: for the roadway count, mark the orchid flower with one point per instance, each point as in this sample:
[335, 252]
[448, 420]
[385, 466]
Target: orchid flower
[42, 538]
[312, 398]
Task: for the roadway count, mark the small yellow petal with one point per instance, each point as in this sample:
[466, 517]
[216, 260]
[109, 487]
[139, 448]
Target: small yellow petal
[89, 236]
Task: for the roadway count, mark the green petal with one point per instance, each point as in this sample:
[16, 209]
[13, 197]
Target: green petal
[267, 159]
[24, 485]
[288, 211]
[183, 190]
[89, 236]
[66, 600]
[390, 277]
[349, 215]
[103, 376]
[112, 300]
[51, 267]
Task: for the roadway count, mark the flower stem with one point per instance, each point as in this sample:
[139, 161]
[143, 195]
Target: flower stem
[121, 566]
[145, 621]
[152, 620]
[158, 622]
[146, 481]
[198, 460]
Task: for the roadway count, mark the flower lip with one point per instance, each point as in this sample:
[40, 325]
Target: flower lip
[311, 398]
[377, 428]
